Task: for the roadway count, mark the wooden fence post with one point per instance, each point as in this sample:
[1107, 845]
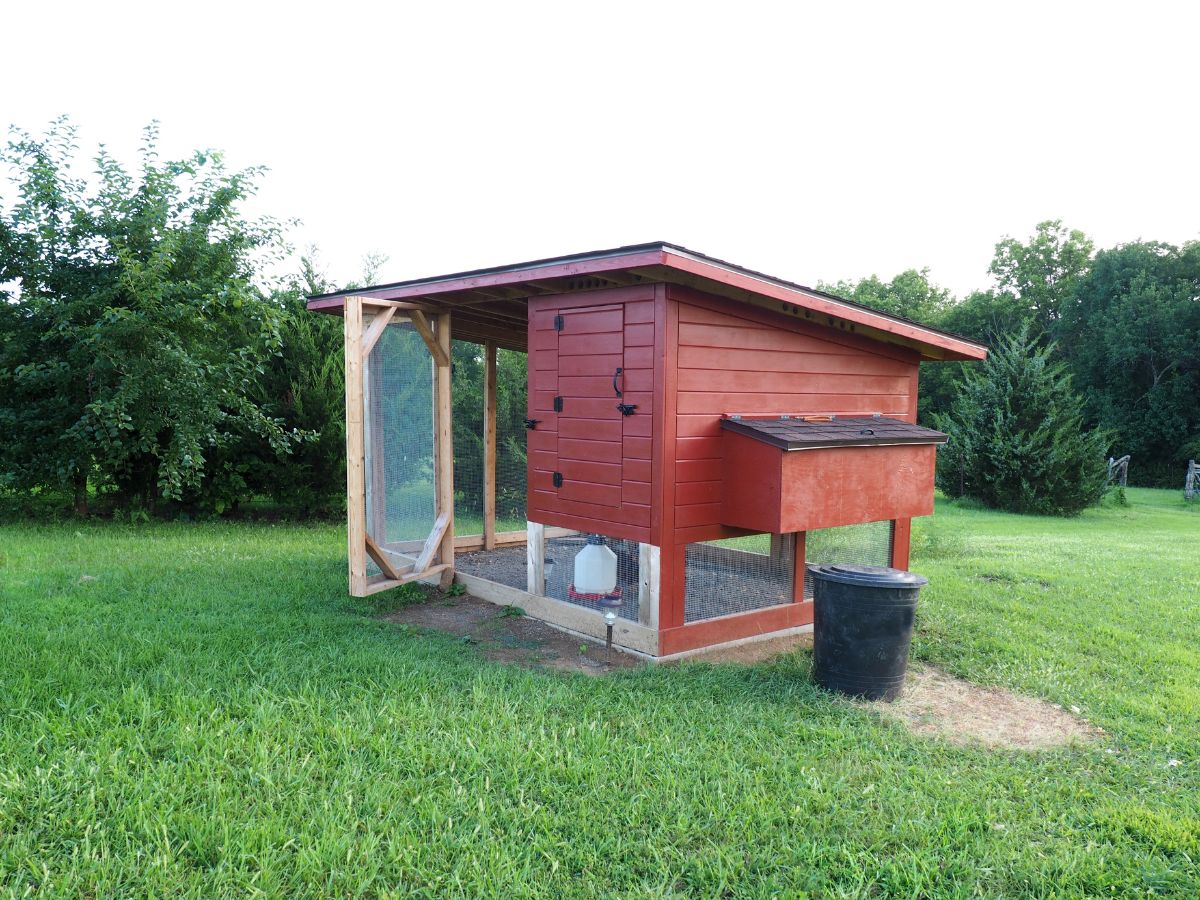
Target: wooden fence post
[489, 446]
[356, 501]
[445, 444]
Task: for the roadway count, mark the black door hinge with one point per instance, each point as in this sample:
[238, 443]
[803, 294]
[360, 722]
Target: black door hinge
[558, 323]
[627, 408]
[558, 404]
[558, 479]
[531, 423]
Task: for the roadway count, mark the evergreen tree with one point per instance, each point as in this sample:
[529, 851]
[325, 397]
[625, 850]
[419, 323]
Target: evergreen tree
[1017, 440]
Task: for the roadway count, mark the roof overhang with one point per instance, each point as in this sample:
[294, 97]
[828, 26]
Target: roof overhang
[490, 304]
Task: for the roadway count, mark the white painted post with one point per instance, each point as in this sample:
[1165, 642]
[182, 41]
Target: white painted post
[535, 557]
[648, 582]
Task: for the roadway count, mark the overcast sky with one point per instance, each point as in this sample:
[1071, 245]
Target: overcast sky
[811, 141]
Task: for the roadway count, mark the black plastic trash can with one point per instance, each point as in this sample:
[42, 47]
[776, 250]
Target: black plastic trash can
[862, 628]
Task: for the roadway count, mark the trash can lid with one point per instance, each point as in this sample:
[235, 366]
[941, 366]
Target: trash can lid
[869, 576]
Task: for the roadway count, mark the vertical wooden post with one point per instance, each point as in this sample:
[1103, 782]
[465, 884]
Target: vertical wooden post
[489, 446]
[535, 558]
[356, 502]
[445, 447]
[901, 539]
[372, 427]
[649, 580]
[798, 564]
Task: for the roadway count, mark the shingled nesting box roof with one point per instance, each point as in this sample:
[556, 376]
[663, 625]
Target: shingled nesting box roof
[811, 433]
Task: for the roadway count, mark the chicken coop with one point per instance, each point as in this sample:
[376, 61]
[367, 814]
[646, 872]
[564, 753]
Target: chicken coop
[645, 433]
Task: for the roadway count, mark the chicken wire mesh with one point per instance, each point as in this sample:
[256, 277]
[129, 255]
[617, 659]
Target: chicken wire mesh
[398, 441]
[504, 564]
[561, 550]
[868, 544]
[737, 575]
[467, 390]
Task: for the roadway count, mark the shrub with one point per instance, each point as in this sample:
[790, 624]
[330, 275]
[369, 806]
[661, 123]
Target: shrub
[1017, 440]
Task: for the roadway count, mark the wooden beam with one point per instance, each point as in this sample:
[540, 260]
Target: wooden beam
[440, 356]
[440, 526]
[535, 558]
[375, 330]
[444, 446]
[378, 554]
[376, 475]
[648, 581]
[383, 583]
[403, 305]
[489, 445]
[356, 501]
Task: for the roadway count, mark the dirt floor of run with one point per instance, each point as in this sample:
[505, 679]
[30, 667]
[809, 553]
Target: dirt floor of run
[934, 703]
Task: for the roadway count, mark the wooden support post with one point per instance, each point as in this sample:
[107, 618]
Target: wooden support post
[648, 578]
[799, 567]
[535, 557]
[373, 432]
[356, 501]
[901, 539]
[444, 443]
[489, 446]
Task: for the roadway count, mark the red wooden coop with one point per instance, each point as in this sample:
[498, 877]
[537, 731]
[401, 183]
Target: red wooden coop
[717, 428]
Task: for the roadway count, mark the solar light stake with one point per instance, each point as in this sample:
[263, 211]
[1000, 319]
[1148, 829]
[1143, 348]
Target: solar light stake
[610, 619]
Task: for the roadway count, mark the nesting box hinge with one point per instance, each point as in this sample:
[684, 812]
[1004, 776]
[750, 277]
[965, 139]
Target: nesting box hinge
[558, 479]
[627, 408]
[531, 423]
[558, 323]
[558, 404]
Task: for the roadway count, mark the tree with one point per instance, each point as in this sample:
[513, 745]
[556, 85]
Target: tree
[1133, 339]
[134, 334]
[1017, 439]
[910, 294]
[1040, 276]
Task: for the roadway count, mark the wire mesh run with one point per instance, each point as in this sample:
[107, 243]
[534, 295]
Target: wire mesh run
[869, 544]
[738, 575]
[398, 441]
[467, 389]
[561, 551]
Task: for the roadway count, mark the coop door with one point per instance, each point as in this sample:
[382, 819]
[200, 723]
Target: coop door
[589, 394]
[591, 380]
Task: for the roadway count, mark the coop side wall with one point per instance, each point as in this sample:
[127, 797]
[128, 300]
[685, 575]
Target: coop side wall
[725, 358]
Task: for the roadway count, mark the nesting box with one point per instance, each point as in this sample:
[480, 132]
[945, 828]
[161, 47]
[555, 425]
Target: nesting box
[718, 427]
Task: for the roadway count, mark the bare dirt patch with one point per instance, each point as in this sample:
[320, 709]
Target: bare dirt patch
[500, 634]
[958, 711]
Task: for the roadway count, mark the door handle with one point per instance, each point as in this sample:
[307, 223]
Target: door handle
[615, 375]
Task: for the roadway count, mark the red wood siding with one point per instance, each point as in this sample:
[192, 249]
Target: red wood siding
[604, 457]
[739, 360]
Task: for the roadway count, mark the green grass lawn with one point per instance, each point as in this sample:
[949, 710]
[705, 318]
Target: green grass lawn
[199, 709]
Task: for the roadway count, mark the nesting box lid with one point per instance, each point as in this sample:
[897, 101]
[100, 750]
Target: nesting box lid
[813, 432]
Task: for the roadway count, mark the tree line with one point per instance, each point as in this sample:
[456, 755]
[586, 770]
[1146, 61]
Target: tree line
[149, 362]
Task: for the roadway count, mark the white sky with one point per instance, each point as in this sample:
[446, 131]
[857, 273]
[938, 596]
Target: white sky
[808, 140]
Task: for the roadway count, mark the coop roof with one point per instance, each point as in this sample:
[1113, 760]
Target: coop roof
[814, 432]
[490, 304]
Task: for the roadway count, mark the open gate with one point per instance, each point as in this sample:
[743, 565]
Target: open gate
[399, 454]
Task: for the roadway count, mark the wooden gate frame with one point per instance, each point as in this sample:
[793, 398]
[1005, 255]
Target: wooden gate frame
[440, 543]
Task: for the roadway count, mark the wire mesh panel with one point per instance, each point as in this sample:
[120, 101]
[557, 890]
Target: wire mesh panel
[398, 441]
[869, 544]
[512, 400]
[561, 551]
[468, 391]
[737, 575]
